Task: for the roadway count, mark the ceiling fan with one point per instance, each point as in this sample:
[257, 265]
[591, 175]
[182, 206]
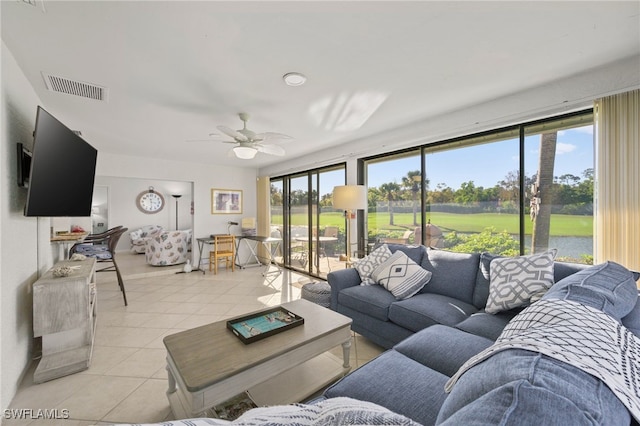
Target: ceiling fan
[249, 143]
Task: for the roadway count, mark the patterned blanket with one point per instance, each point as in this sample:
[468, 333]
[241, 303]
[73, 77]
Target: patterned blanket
[577, 335]
[330, 412]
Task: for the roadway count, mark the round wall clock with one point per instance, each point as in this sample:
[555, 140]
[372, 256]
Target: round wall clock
[150, 201]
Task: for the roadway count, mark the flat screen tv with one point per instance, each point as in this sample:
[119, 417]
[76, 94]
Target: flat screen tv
[63, 168]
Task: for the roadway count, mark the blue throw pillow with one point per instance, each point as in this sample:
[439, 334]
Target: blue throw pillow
[632, 320]
[414, 253]
[608, 287]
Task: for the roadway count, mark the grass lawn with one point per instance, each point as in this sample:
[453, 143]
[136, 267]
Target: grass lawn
[561, 225]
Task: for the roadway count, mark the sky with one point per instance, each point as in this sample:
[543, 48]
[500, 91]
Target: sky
[488, 164]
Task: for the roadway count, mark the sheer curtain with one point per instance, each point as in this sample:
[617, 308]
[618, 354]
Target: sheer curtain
[617, 186]
[263, 190]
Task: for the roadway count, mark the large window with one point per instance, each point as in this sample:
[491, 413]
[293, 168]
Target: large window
[394, 184]
[559, 174]
[519, 190]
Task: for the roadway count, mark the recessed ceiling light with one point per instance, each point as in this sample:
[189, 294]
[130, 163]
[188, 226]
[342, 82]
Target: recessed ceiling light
[294, 79]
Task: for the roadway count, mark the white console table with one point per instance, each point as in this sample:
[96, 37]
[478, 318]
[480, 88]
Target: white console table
[64, 314]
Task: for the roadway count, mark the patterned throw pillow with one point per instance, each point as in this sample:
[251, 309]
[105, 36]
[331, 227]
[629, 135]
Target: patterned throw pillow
[367, 264]
[401, 276]
[519, 281]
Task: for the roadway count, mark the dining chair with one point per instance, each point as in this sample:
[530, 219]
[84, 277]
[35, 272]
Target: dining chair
[103, 248]
[328, 245]
[224, 248]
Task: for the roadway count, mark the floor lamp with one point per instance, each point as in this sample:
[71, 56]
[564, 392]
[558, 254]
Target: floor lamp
[349, 198]
[176, 196]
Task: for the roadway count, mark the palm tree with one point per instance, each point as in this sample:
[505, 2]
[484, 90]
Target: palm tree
[543, 186]
[390, 192]
[412, 182]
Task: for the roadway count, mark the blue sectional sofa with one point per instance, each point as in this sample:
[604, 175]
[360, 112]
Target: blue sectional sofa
[432, 334]
[455, 296]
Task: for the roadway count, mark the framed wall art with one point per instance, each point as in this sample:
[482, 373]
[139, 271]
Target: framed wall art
[226, 201]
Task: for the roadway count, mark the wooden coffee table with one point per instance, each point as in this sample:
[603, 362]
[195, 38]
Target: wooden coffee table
[209, 365]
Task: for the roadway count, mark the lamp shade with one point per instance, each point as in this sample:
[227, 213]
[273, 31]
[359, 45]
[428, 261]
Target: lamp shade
[350, 197]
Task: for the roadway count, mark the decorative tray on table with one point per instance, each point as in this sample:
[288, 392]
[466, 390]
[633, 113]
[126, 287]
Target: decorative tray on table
[257, 326]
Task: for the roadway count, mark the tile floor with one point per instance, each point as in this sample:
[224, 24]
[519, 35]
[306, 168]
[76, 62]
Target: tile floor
[127, 380]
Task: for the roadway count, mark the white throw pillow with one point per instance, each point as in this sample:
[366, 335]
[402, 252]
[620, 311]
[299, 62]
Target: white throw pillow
[401, 276]
[367, 264]
[519, 281]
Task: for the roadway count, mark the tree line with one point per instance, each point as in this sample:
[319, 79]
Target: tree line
[569, 194]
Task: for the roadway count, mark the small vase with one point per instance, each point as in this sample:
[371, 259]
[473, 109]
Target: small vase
[187, 266]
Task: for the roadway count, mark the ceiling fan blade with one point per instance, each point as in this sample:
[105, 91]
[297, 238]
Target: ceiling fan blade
[233, 133]
[271, 149]
[271, 136]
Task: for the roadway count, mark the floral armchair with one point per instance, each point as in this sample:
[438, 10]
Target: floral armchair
[168, 248]
[140, 236]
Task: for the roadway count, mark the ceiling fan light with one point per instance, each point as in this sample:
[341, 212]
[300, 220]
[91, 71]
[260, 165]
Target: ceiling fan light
[245, 152]
[294, 79]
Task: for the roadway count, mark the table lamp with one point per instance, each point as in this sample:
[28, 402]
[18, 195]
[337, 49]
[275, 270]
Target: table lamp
[349, 198]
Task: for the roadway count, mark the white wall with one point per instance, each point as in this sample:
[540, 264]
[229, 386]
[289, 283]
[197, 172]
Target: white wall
[122, 208]
[203, 178]
[24, 241]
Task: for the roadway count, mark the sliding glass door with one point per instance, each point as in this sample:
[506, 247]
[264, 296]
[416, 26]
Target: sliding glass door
[313, 231]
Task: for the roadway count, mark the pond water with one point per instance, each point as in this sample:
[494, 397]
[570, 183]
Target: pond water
[573, 247]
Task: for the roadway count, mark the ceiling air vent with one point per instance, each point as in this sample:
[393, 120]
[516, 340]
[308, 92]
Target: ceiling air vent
[74, 87]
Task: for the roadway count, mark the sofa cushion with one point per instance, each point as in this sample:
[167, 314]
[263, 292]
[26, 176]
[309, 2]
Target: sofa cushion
[487, 325]
[483, 280]
[401, 276]
[371, 300]
[442, 348]
[368, 264]
[519, 281]
[398, 383]
[564, 269]
[424, 310]
[415, 253]
[454, 274]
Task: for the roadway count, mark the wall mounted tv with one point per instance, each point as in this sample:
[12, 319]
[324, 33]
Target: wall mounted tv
[63, 168]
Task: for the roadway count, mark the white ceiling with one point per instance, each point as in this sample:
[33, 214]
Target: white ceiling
[174, 70]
